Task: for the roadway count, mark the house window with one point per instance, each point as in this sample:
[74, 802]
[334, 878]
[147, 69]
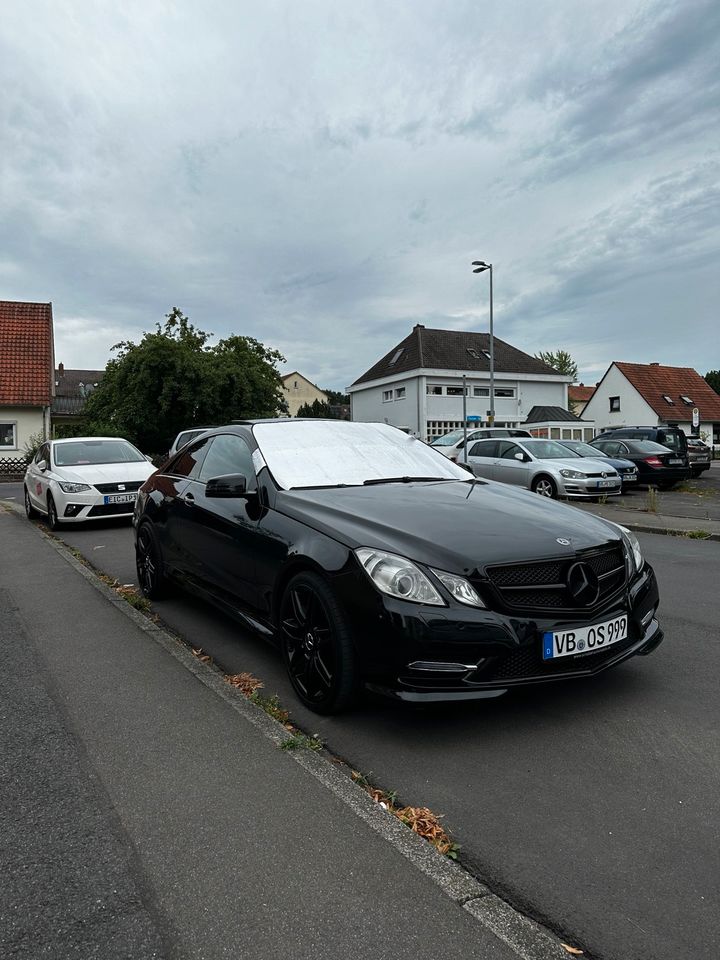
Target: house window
[295, 385]
[454, 391]
[614, 404]
[686, 400]
[400, 393]
[397, 355]
[387, 395]
[482, 392]
[8, 438]
[668, 399]
[505, 391]
[473, 353]
[434, 389]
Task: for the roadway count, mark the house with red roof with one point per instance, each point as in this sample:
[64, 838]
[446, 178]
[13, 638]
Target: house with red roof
[578, 396]
[27, 374]
[648, 394]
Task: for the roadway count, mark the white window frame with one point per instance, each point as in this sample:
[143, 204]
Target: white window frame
[400, 393]
[387, 396]
[14, 427]
[614, 409]
[508, 395]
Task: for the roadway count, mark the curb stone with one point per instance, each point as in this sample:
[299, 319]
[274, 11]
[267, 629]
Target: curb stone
[527, 938]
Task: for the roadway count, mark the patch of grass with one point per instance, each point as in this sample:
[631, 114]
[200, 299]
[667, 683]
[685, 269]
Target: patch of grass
[301, 741]
[134, 598]
[271, 706]
[651, 500]
[697, 534]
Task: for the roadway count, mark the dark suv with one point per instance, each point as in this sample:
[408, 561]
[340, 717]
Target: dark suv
[672, 437]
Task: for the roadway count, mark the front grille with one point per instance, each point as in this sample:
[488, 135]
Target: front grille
[111, 509]
[127, 487]
[543, 585]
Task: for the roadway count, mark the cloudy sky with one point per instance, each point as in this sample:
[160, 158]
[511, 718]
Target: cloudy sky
[320, 174]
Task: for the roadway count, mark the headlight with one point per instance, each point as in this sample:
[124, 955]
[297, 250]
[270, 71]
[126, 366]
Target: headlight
[461, 589]
[632, 547]
[398, 577]
[573, 475]
[67, 487]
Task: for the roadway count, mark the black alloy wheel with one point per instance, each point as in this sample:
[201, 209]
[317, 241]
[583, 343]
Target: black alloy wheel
[545, 487]
[148, 564]
[30, 510]
[52, 514]
[317, 646]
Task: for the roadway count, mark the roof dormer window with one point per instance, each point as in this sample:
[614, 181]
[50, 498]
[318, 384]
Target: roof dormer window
[397, 355]
[473, 353]
[668, 399]
[686, 400]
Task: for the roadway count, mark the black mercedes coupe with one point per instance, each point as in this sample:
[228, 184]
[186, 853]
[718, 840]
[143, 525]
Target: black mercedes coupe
[372, 560]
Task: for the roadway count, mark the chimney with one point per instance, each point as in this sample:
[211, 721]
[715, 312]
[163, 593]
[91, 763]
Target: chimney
[419, 326]
[61, 369]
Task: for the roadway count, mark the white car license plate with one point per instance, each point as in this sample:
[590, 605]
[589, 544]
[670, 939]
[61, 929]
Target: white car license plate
[120, 498]
[584, 639]
[675, 462]
[607, 483]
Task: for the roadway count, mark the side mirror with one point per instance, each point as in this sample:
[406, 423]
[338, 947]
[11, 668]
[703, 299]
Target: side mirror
[42, 465]
[231, 487]
[520, 457]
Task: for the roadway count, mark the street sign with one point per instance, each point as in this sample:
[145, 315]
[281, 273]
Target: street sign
[696, 417]
[474, 419]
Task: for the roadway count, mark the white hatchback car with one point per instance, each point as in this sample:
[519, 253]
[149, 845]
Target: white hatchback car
[84, 478]
[543, 466]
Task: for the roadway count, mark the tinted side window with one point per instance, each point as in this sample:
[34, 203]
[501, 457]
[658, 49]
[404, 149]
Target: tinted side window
[507, 450]
[190, 460]
[228, 454]
[484, 448]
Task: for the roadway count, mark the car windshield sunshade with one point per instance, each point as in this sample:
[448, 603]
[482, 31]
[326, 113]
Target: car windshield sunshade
[324, 453]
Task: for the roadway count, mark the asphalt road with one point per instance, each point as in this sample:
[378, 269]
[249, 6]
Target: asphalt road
[593, 806]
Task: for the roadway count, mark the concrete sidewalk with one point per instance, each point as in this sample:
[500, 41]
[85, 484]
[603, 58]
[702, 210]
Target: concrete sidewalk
[654, 522]
[147, 809]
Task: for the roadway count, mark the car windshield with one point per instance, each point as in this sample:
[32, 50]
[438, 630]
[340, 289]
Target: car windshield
[448, 440]
[582, 449]
[549, 450]
[334, 453]
[78, 453]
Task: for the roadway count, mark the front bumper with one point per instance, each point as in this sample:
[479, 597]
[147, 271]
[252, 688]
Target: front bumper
[428, 654]
[79, 507]
[573, 489]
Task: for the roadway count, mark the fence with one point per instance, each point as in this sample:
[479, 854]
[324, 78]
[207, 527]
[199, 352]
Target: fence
[12, 468]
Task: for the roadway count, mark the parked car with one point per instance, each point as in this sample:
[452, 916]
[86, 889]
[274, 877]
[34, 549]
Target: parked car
[452, 444]
[657, 466]
[84, 478]
[626, 468]
[668, 436]
[185, 436]
[370, 559]
[543, 466]
[699, 455]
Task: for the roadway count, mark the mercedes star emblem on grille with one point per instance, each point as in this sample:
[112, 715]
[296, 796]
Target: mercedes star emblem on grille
[582, 583]
[562, 541]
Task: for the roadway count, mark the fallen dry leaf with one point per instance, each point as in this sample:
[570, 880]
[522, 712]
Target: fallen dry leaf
[573, 950]
[246, 683]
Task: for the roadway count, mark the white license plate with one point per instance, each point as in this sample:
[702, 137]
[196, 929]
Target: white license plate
[607, 483]
[570, 643]
[120, 498]
[675, 462]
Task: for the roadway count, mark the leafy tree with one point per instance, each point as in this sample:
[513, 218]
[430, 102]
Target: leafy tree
[336, 398]
[318, 409]
[172, 380]
[561, 361]
[713, 379]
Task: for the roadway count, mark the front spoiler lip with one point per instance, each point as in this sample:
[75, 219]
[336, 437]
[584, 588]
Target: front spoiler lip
[651, 639]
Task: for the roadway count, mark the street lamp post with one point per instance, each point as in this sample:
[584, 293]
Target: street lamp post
[479, 266]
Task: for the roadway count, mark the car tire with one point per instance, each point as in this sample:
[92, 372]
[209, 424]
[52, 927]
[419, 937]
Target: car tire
[30, 511]
[148, 564]
[317, 645]
[545, 487]
[52, 515]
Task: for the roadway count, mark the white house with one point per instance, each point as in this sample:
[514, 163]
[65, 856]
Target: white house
[418, 384]
[646, 394]
[27, 379]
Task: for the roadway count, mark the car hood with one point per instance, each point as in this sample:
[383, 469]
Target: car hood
[105, 472]
[616, 462]
[582, 464]
[453, 525]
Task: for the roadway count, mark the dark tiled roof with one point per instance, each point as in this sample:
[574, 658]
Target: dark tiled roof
[459, 350]
[540, 414]
[653, 382]
[26, 352]
[72, 388]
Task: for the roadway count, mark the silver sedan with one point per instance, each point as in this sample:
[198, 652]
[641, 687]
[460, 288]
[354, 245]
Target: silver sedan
[543, 466]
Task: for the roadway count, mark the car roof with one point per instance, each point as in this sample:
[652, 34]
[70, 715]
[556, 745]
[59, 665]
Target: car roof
[84, 439]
